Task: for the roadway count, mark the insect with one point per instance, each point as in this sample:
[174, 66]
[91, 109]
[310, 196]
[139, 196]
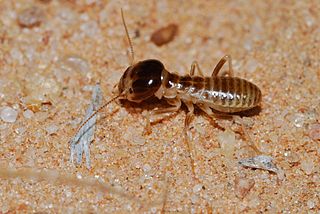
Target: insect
[148, 78]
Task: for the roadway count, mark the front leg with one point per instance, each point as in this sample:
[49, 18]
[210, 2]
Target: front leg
[176, 104]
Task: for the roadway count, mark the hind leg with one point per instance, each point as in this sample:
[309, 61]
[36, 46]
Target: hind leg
[245, 131]
[221, 63]
[249, 141]
[187, 121]
[206, 109]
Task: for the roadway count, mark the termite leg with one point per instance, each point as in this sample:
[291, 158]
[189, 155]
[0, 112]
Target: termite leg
[176, 104]
[206, 109]
[195, 66]
[115, 89]
[187, 122]
[147, 128]
[249, 141]
[220, 64]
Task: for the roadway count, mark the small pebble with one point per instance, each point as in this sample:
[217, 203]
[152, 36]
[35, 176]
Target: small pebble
[69, 66]
[138, 140]
[307, 165]
[164, 35]
[314, 132]
[28, 114]
[281, 175]
[254, 202]
[310, 204]
[20, 130]
[79, 176]
[8, 114]
[17, 55]
[197, 188]
[90, 29]
[77, 63]
[291, 157]
[194, 199]
[30, 17]
[52, 129]
[227, 141]
[146, 168]
[68, 193]
[299, 120]
[243, 186]
[40, 89]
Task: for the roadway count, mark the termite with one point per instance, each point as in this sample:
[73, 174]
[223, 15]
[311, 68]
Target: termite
[224, 94]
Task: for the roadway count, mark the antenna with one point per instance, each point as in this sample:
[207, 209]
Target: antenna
[116, 97]
[94, 113]
[128, 37]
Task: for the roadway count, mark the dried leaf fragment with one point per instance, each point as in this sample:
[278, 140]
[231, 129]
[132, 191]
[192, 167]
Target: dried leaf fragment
[260, 162]
[81, 142]
[164, 35]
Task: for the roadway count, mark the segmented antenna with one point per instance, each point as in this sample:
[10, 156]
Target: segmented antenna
[114, 98]
[128, 37]
[93, 114]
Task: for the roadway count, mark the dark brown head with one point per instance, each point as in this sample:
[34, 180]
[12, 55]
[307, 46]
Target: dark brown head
[141, 80]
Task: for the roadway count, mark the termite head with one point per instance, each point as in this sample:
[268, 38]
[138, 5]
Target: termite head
[141, 80]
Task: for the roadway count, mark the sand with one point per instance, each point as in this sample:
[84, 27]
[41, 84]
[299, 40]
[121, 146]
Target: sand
[52, 53]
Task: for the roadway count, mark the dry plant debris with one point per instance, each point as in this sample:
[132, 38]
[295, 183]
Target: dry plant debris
[260, 162]
[81, 142]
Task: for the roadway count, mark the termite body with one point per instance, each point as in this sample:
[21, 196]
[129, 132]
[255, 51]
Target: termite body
[225, 94]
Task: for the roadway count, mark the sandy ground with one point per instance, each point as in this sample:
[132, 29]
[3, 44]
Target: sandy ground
[52, 54]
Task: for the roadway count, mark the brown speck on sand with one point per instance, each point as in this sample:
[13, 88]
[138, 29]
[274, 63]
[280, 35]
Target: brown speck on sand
[164, 35]
[243, 186]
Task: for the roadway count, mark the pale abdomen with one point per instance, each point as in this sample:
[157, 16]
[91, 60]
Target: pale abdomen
[225, 94]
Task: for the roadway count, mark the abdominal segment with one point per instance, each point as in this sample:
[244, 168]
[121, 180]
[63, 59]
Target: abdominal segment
[225, 94]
